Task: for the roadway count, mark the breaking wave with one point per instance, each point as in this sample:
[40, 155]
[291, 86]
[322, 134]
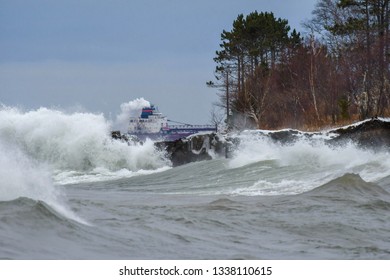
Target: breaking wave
[312, 155]
[21, 176]
[43, 148]
[77, 144]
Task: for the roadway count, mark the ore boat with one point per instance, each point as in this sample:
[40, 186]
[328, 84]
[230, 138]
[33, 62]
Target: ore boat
[154, 125]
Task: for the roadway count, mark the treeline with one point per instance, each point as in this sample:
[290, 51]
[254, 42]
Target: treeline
[270, 76]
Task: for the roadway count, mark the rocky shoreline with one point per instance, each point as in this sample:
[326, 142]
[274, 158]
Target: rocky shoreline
[370, 134]
[195, 148]
[374, 133]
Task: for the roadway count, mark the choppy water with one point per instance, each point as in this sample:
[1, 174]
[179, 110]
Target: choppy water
[67, 191]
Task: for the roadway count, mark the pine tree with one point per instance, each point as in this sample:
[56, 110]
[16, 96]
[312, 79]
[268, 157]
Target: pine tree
[247, 59]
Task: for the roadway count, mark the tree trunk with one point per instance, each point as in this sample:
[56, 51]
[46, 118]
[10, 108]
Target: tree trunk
[311, 78]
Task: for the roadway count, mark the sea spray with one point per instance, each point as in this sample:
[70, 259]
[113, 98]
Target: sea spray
[177, 214]
[129, 109]
[21, 176]
[76, 144]
[303, 163]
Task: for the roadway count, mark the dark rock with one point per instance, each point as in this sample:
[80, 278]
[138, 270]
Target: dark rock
[373, 133]
[186, 150]
[116, 135]
[194, 148]
[284, 136]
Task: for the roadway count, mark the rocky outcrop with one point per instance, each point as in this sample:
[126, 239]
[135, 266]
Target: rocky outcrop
[194, 148]
[373, 134]
[117, 135]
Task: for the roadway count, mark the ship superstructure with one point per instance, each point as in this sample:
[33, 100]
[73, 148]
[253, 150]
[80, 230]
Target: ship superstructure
[154, 125]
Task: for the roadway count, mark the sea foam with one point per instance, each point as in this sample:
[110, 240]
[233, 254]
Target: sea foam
[75, 143]
[312, 161]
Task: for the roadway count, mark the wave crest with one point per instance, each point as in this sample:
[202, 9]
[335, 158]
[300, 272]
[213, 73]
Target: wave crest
[78, 142]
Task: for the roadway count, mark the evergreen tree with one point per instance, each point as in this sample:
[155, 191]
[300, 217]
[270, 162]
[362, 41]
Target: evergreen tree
[247, 59]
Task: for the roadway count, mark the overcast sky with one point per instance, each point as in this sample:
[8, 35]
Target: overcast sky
[94, 55]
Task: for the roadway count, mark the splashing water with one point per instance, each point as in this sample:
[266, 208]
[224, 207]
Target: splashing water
[130, 109]
[43, 148]
[297, 167]
[77, 143]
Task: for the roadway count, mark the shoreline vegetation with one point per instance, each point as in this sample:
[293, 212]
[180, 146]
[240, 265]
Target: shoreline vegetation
[268, 76]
